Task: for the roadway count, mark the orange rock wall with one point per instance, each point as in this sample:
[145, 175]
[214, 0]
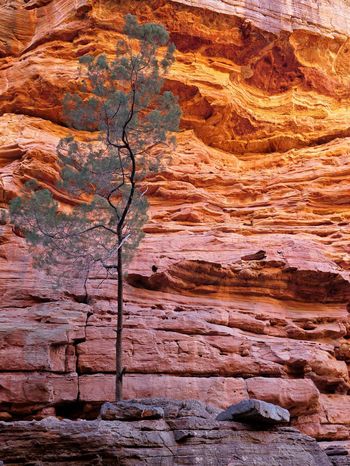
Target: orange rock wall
[241, 287]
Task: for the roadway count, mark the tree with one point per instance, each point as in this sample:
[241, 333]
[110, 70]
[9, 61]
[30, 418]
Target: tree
[124, 108]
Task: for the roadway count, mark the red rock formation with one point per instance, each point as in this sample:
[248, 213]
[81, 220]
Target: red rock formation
[241, 287]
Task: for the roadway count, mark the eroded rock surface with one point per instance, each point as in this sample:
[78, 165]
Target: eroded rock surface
[241, 287]
[188, 434]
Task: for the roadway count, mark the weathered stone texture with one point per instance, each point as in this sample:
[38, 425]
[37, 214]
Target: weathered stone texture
[187, 435]
[241, 287]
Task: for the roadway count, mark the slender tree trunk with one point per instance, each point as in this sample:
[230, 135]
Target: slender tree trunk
[118, 344]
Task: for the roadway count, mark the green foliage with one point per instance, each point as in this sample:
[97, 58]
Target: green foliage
[122, 100]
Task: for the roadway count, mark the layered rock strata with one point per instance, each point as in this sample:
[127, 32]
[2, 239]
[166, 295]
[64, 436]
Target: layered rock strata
[241, 286]
[187, 434]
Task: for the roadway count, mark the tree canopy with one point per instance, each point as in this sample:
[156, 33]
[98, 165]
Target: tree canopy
[122, 104]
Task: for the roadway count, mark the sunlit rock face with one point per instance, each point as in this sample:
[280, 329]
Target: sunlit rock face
[241, 286]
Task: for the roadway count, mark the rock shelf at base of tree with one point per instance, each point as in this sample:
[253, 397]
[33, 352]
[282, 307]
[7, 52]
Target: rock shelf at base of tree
[187, 434]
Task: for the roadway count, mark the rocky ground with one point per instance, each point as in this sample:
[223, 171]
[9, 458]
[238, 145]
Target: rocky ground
[169, 433]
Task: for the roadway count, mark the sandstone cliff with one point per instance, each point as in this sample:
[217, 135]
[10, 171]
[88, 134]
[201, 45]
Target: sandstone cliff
[241, 286]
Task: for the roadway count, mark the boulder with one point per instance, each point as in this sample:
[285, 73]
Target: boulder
[255, 412]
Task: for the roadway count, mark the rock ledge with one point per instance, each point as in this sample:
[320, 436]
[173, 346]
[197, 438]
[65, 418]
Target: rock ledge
[188, 434]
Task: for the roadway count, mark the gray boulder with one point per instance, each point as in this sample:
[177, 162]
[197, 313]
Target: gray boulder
[255, 412]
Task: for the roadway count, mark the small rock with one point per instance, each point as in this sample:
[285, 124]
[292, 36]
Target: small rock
[255, 412]
[336, 450]
[257, 256]
[129, 411]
